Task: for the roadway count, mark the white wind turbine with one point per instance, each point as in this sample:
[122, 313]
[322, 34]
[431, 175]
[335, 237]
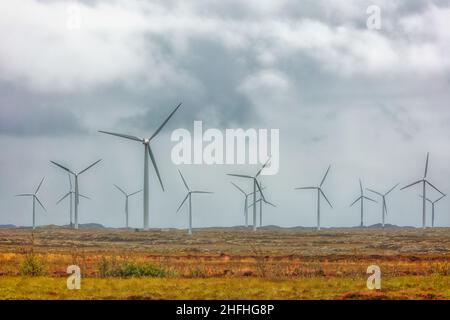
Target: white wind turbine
[147, 152]
[384, 210]
[189, 195]
[319, 194]
[127, 195]
[261, 201]
[246, 206]
[424, 183]
[432, 208]
[35, 198]
[361, 198]
[77, 191]
[255, 185]
[70, 194]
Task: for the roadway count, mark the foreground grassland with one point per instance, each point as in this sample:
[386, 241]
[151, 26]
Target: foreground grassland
[225, 263]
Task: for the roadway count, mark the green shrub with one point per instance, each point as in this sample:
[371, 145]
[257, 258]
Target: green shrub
[32, 266]
[110, 268]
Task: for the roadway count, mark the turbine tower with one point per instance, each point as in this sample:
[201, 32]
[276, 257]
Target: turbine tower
[384, 210]
[77, 191]
[432, 208]
[361, 198]
[147, 152]
[35, 198]
[261, 201]
[70, 195]
[424, 183]
[319, 194]
[127, 195]
[255, 185]
[246, 206]
[189, 195]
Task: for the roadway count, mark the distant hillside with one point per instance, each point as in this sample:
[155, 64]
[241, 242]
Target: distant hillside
[7, 226]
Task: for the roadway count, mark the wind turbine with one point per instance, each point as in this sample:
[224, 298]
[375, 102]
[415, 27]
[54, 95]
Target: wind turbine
[255, 185]
[147, 152]
[77, 191]
[127, 195]
[35, 198]
[424, 182]
[361, 198]
[70, 195]
[319, 194]
[246, 206]
[189, 195]
[432, 208]
[261, 201]
[384, 211]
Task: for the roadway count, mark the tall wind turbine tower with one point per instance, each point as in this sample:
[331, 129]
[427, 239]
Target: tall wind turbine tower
[432, 208]
[35, 198]
[246, 206]
[320, 193]
[424, 183]
[70, 195]
[384, 210]
[127, 195]
[361, 198]
[147, 153]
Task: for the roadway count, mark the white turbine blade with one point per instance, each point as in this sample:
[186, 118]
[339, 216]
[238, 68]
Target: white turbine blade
[270, 203]
[360, 186]
[82, 171]
[24, 195]
[184, 181]
[374, 192]
[325, 176]
[325, 197]
[260, 190]
[183, 201]
[410, 185]
[370, 199]
[426, 199]
[202, 192]
[390, 190]
[305, 188]
[239, 175]
[70, 181]
[434, 187]
[132, 194]
[152, 157]
[426, 165]
[120, 189]
[40, 204]
[440, 198]
[264, 165]
[83, 196]
[237, 187]
[39, 186]
[165, 121]
[63, 197]
[126, 136]
[356, 201]
[62, 167]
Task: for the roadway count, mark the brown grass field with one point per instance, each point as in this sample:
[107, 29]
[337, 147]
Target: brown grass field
[225, 263]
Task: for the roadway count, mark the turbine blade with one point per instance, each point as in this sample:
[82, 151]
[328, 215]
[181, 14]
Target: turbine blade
[325, 176]
[24, 195]
[370, 199]
[183, 202]
[165, 121]
[270, 203]
[410, 185]
[440, 198]
[82, 171]
[120, 189]
[426, 165]
[237, 187]
[62, 167]
[132, 194]
[239, 175]
[325, 197]
[126, 136]
[202, 192]
[374, 192]
[39, 186]
[152, 157]
[305, 188]
[264, 165]
[434, 187]
[63, 197]
[80, 195]
[184, 181]
[70, 181]
[40, 203]
[390, 190]
[385, 207]
[260, 190]
[360, 186]
[356, 201]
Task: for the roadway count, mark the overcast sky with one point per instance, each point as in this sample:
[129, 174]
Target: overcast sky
[369, 102]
